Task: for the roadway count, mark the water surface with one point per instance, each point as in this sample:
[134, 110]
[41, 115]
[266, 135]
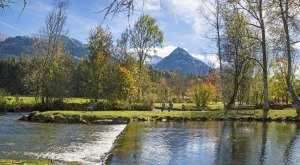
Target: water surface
[209, 142]
[61, 142]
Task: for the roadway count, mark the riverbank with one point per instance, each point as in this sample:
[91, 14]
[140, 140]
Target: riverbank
[32, 162]
[123, 117]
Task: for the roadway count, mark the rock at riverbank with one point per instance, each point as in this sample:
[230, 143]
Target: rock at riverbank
[73, 119]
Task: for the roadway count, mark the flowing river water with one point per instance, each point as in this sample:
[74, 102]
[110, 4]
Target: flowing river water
[210, 142]
[87, 144]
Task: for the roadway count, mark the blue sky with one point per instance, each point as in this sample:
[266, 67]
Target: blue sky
[179, 20]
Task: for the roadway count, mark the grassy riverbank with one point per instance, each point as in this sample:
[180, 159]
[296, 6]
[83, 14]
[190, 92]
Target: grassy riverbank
[32, 162]
[25, 162]
[288, 114]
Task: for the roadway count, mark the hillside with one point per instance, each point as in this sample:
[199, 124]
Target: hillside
[23, 45]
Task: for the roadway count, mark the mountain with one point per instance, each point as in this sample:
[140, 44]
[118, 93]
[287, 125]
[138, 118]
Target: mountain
[23, 45]
[181, 61]
[153, 60]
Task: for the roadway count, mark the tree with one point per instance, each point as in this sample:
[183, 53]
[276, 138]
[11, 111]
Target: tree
[164, 90]
[119, 84]
[7, 3]
[257, 10]
[119, 6]
[47, 74]
[144, 37]
[289, 10]
[237, 52]
[214, 18]
[100, 50]
[201, 92]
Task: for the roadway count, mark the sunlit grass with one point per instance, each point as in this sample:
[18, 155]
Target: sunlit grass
[192, 106]
[212, 114]
[31, 100]
[32, 162]
[25, 162]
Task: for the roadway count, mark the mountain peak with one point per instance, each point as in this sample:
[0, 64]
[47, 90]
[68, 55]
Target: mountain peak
[179, 52]
[181, 61]
[180, 49]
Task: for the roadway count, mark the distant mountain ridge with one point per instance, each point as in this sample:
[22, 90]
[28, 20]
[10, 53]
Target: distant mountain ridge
[153, 60]
[23, 45]
[181, 61]
[178, 61]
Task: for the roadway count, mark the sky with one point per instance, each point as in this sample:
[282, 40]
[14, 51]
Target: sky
[180, 21]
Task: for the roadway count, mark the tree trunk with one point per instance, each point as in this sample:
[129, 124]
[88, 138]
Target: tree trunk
[284, 17]
[265, 71]
[230, 104]
[265, 61]
[220, 56]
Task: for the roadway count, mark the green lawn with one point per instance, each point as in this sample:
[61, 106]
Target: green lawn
[31, 162]
[215, 114]
[192, 106]
[31, 100]
[25, 162]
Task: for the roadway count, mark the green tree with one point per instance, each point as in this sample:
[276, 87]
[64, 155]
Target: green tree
[201, 92]
[100, 50]
[144, 37]
[119, 84]
[237, 51]
[47, 73]
[256, 11]
[289, 11]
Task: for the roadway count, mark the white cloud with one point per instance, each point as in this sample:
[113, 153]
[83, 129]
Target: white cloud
[208, 59]
[188, 11]
[163, 52]
[150, 4]
[297, 46]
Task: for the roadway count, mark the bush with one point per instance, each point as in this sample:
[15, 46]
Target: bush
[123, 105]
[3, 102]
[274, 105]
[20, 106]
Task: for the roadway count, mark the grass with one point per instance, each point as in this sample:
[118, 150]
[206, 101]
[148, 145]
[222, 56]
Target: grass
[192, 106]
[216, 114]
[25, 162]
[31, 100]
[32, 162]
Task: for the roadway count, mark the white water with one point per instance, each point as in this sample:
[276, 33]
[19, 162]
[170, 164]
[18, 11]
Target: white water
[88, 153]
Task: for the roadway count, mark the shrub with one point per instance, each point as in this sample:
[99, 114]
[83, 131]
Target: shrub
[3, 102]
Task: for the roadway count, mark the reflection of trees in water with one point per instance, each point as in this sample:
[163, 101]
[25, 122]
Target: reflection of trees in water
[129, 140]
[263, 143]
[278, 140]
[229, 143]
[238, 143]
[289, 148]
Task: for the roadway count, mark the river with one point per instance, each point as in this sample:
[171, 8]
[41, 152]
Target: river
[87, 144]
[210, 142]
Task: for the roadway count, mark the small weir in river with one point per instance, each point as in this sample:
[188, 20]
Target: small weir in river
[87, 144]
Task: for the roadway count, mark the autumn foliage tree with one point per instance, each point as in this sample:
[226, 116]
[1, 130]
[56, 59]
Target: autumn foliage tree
[48, 74]
[201, 92]
[119, 83]
[100, 50]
